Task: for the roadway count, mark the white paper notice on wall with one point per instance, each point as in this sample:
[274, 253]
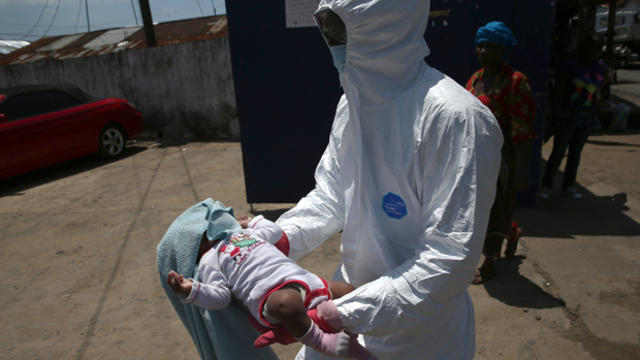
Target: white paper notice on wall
[299, 13]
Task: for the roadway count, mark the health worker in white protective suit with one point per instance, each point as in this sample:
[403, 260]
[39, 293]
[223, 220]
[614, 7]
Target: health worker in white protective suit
[409, 177]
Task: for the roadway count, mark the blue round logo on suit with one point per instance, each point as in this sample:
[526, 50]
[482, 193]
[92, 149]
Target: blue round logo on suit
[394, 206]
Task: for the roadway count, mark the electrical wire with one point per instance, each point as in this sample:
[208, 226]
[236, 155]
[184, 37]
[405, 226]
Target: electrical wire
[200, 7]
[133, 8]
[53, 19]
[29, 25]
[39, 18]
[86, 10]
[78, 17]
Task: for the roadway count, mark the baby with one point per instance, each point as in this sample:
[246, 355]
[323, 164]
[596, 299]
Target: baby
[248, 266]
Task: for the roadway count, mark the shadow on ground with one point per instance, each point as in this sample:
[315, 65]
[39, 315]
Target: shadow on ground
[561, 216]
[512, 288]
[15, 186]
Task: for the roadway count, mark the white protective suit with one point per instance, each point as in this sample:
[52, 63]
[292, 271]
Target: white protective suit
[409, 176]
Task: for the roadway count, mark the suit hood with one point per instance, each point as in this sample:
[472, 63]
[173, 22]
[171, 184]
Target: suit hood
[385, 45]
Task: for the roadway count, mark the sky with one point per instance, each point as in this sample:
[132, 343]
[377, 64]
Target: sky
[32, 19]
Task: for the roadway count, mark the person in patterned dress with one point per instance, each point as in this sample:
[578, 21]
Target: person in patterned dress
[507, 93]
[579, 95]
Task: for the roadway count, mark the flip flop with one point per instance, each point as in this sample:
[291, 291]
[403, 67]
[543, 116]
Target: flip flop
[483, 274]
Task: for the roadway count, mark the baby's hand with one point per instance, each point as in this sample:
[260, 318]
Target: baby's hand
[178, 283]
[244, 221]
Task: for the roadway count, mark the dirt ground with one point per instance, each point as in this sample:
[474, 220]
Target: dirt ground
[79, 243]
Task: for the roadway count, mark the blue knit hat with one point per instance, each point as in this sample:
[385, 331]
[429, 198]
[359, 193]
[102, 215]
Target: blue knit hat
[496, 32]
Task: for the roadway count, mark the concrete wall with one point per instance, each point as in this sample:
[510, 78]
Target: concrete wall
[183, 90]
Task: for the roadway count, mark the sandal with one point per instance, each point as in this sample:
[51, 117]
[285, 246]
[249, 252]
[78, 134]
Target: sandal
[484, 273]
[512, 240]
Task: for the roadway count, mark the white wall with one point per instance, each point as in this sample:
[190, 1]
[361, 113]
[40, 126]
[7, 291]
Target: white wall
[183, 90]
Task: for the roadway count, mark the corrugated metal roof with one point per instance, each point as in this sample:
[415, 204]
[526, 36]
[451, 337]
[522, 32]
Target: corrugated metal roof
[112, 37]
[60, 43]
[7, 46]
[108, 41]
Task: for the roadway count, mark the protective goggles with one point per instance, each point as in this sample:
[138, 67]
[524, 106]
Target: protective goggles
[331, 27]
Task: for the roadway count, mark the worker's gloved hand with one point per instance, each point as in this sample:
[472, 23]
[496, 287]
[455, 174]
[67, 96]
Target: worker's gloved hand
[327, 317]
[334, 345]
[340, 344]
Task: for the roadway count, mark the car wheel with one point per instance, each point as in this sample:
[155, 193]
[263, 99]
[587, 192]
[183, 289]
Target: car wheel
[111, 142]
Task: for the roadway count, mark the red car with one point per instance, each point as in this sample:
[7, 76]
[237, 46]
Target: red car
[42, 125]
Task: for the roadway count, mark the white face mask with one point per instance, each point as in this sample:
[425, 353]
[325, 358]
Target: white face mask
[339, 54]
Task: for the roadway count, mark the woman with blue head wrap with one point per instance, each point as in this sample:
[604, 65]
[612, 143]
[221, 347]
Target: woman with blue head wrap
[506, 92]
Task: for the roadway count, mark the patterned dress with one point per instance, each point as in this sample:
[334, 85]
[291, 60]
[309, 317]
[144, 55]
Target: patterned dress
[510, 101]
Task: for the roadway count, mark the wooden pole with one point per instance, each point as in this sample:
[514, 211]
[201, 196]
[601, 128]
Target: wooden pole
[147, 22]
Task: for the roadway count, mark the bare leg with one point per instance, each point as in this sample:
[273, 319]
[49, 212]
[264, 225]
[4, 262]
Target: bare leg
[286, 305]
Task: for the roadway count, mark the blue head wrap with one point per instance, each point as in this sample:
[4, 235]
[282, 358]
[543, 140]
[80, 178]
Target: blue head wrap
[496, 32]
